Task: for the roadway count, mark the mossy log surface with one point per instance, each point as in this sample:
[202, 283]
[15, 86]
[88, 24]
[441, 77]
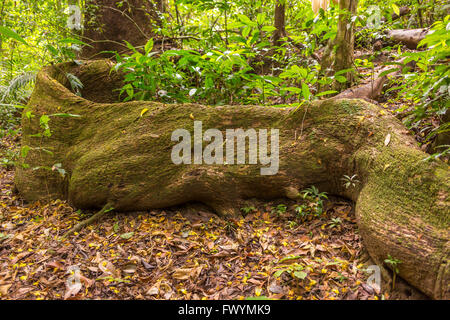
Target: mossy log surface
[112, 154]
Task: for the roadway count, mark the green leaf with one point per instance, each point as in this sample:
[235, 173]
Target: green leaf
[300, 275]
[74, 41]
[116, 227]
[127, 235]
[341, 79]
[149, 46]
[65, 115]
[278, 273]
[260, 18]
[288, 258]
[293, 89]
[268, 28]
[305, 91]
[326, 93]
[24, 151]
[385, 73]
[344, 71]
[11, 34]
[52, 49]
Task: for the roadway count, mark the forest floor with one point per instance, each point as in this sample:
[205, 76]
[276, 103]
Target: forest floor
[185, 252]
[182, 253]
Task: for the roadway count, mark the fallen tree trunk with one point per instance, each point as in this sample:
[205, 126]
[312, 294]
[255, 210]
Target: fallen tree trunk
[120, 154]
[403, 11]
[371, 90]
[409, 37]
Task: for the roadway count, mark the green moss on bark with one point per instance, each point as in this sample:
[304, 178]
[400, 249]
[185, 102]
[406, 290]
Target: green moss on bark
[113, 155]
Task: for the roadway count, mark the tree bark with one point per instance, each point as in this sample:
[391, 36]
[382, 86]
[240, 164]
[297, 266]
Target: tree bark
[339, 53]
[345, 42]
[116, 154]
[280, 21]
[108, 25]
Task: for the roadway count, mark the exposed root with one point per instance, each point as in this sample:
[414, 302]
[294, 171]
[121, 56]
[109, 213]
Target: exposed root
[107, 208]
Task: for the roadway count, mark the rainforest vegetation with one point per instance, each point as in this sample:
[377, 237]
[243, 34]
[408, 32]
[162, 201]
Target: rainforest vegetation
[97, 96]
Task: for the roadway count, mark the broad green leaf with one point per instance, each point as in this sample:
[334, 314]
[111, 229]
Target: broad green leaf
[149, 46]
[293, 89]
[11, 34]
[300, 275]
[341, 79]
[268, 28]
[305, 91]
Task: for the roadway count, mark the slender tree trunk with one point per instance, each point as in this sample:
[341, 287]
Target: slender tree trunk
[345, 41]
[280, 21]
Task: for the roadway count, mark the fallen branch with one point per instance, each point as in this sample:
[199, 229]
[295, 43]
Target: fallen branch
[107, 208]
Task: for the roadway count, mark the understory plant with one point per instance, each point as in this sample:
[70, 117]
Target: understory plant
[428, 86]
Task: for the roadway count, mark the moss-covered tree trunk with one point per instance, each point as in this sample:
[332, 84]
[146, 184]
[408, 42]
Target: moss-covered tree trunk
[120, 153]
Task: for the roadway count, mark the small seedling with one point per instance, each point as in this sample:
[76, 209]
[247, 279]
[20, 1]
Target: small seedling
[315, 199]
[230, 227]
[350, 181]
[279, 210]
[335, 222]
[292, 224]
[393, 263]
[247, 210]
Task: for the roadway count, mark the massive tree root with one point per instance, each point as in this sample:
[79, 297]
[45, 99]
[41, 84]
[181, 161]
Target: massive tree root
[120, 154]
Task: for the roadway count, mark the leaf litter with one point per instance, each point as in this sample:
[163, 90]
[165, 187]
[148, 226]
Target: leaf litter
[179, 253]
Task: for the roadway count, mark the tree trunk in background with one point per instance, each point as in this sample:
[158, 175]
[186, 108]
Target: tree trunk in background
[345, 42]
[280, 21]
[114, 154]
[107, 25]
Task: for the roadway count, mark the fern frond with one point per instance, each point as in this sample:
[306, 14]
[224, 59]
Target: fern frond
[75, 83]
[18, 83]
